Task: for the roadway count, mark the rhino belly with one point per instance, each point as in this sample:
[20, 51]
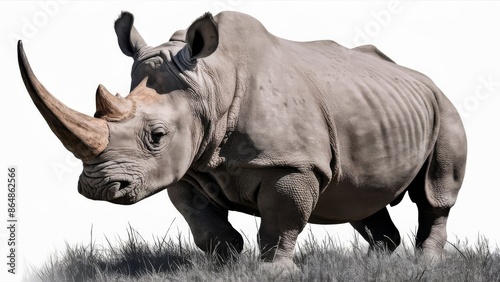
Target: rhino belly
[348, 201]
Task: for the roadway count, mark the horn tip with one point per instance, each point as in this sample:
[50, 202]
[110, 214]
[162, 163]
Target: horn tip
[101, 90]
[20, 49]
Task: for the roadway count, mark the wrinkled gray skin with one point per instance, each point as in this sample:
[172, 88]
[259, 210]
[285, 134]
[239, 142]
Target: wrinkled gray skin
[232, 117]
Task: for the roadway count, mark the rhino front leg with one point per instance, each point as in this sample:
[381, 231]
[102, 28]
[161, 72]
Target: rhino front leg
[209, 224]
[285, 201]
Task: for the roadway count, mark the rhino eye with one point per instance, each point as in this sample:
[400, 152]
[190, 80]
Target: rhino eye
[157, 135]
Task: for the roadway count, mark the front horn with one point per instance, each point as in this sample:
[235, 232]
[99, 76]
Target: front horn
[81, 134]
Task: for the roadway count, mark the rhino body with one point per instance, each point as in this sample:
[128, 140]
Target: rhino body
[227, 116]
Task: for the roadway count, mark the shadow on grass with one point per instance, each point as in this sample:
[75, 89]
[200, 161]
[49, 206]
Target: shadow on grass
[130, 258]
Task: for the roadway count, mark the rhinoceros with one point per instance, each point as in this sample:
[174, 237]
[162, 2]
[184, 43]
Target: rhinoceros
[227, 116]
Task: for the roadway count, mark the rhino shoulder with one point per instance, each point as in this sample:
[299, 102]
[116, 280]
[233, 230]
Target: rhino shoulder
[374, 51]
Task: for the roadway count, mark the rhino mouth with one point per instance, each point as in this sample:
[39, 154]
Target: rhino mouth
[118, 191]
[115, 190]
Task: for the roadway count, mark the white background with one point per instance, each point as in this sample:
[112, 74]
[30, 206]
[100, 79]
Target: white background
[72, 48]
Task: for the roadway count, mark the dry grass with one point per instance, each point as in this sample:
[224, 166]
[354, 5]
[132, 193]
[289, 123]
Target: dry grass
[165, 259]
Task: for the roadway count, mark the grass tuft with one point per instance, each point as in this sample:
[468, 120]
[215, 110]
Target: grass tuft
[167, 259]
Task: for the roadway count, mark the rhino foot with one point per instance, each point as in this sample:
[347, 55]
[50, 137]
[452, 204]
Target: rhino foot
[430, 257]
[282, 270]
[223, 251]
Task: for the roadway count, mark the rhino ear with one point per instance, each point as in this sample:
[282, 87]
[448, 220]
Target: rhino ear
[129, 39]
[202, 37]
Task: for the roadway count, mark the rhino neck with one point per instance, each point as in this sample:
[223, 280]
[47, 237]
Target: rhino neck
[226, 75]
[220, 114]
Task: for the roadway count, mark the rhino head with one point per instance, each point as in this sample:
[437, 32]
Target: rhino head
[136, 146]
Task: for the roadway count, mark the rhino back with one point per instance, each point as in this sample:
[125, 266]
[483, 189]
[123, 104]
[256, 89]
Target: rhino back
[303, 98]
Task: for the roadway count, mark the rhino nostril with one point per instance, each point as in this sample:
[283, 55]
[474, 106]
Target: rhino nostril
[115, 189]
[123, 184]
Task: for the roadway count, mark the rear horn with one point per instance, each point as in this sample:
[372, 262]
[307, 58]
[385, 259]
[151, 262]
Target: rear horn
[110, 107]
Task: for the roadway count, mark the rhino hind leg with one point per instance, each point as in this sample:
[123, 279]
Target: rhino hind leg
[431, 234]
[433, 208]
[209, 224]
[436, 187]
[379, 231]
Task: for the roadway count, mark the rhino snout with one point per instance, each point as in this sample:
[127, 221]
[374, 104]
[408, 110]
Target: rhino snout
[112, 190]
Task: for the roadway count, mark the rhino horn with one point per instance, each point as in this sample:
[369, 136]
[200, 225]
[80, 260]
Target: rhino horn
[112, 108]
[83, 135]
